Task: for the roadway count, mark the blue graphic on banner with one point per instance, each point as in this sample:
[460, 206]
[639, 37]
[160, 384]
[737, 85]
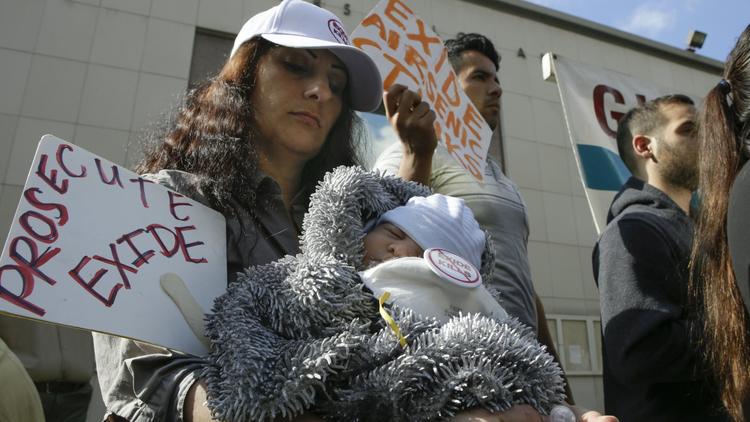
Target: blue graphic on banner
[602, 168]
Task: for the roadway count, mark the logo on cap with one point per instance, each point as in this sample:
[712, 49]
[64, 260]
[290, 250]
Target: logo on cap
[338, 31]
[452, 268]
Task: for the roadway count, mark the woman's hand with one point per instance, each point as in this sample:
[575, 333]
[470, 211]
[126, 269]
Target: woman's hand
[593, 416]
[414, 123]
[517, 413]
[195, 409]
[526, 413]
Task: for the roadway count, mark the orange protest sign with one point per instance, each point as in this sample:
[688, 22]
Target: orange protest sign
[409, 53]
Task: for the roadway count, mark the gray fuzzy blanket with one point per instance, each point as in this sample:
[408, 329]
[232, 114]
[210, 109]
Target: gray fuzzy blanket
[302, 334]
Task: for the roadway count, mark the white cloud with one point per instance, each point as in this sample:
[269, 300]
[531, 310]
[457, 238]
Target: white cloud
[650, 19]
[691, 6]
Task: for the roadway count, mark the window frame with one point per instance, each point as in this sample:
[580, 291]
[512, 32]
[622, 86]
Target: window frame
[595, 356]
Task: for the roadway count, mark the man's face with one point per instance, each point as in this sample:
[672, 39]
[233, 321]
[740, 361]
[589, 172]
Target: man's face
[386, 242]
[478, 79]
[677, 148]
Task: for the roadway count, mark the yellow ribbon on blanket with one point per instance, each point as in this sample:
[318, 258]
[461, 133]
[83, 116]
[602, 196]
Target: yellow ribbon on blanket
[389, 319]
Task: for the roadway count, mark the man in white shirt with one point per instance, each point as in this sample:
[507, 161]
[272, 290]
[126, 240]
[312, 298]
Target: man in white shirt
[497, 203]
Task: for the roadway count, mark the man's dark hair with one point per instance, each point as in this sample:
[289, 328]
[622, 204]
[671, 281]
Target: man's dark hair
[467, 42]
[643, 120]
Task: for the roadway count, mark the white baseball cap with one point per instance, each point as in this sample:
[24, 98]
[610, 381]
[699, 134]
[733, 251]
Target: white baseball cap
[297, 24]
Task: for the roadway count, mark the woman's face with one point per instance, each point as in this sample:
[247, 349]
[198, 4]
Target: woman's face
[298, 97]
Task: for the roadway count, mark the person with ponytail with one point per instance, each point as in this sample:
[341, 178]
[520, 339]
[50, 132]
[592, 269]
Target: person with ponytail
[721, 248]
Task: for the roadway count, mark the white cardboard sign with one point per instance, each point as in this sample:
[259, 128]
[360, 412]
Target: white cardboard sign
[409, 53]
[90, 241]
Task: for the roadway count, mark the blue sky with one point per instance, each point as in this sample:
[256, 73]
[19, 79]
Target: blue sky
[667, 21]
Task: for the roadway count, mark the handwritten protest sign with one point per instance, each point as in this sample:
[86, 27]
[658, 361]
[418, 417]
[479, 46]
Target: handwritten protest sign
[593, 100]
[409, 53]
[90, 241]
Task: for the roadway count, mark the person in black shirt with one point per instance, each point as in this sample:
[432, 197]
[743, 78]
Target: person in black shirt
[651, 362]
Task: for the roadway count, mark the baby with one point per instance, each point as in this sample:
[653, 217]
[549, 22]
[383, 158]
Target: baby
[303, 333]
[435, 221]
[439, 247]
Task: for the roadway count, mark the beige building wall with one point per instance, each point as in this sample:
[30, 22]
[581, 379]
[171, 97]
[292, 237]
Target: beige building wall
[96, 72]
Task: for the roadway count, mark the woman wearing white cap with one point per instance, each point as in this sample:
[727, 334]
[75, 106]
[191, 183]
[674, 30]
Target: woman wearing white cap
[251, 143]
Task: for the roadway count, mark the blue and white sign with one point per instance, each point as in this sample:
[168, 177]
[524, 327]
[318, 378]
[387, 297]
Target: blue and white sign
[593, 100]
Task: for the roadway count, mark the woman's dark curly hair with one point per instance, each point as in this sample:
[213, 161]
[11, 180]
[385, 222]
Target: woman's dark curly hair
[214, 135]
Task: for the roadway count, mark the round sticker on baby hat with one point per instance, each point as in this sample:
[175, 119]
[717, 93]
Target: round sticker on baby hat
[452, 268]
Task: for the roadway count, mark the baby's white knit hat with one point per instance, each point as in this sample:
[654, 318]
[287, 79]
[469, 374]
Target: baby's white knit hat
[440, 221]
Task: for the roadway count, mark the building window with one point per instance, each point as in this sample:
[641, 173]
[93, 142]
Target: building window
[210, 50]
[381, 135]
[578, 342]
